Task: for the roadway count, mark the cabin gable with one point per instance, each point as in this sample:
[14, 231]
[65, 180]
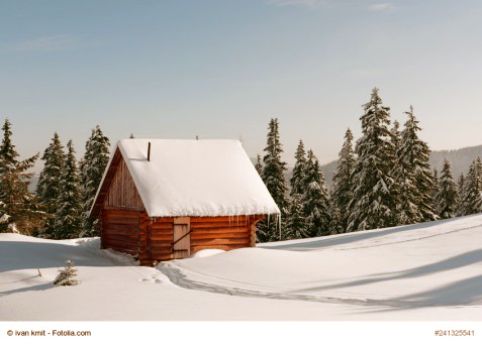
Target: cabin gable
[122, 192]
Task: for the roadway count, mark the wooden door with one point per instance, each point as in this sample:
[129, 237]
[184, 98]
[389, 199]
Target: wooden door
[182, 237]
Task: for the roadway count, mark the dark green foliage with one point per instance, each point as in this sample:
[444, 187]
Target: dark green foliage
[343, 184]
[315, 198]
[461, 194]
[295, 225]
[373, 203]
[92, 169]
[68, 217]
[417, 155]
[273, 175]
[297, 179]
[447, 196]
[20, 204]
[471, 203]
[404, 187]
[48, 187]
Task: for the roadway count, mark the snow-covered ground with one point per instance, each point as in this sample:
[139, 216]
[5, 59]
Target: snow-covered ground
[431, 271]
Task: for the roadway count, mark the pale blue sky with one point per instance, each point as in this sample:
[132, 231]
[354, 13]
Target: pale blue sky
[221, 69]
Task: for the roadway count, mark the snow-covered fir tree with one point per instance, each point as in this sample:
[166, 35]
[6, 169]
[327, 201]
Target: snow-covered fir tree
[259, 164]
[298, 176]
[48, 187]
[295, 222]
[404, 187]
[4, 218]
[316, 206]
[472, 198]
[67, 276]
[417, 156]
[342, 183]
[68, 217]
[336, 217]
[461, 194]
[92, 169]
[273, 176]
[447, 196]
[19, 203]
[396, 136]
[373, 203]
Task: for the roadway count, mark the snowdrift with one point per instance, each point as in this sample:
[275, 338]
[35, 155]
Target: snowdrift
[431, 271]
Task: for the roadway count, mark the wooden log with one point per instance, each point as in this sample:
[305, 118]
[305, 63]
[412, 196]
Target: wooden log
[230, 241]
[225, 235]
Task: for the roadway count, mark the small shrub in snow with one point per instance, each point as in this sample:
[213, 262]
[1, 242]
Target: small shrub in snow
[67, 276]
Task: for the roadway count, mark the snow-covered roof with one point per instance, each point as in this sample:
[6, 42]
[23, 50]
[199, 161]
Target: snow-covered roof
[196, 178]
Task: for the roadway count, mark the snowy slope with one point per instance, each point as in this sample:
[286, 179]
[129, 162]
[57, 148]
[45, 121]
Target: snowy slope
[431, 271]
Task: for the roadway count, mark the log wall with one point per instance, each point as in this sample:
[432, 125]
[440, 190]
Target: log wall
[151, 239]
[120, 230]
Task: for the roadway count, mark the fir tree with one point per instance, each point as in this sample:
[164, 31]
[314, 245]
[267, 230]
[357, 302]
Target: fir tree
[461, 194]
[446, 198]
[472, 198]
[4, 217]
[48, 187]
[296, 181]
[259, 164]
[315, 198]
[417, 156]
[396, 136]
[343, 184]
[68, 218]
[295, 220]
[91, 171]
[336, 219]
[66, 277]
[274, 179]
[19, 203]
[372, 205]
[404, 186]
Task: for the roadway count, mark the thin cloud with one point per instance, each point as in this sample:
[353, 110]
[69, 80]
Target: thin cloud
[380, 7]
[301, 3]
[46, 43]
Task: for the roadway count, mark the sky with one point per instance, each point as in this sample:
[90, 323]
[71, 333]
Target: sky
[222, 69]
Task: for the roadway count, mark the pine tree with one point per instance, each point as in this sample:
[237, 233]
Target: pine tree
[295, 220]
[273, 176]
[472, 198]
[19, 203]
[48, 187]
[68, 218]
[67, 276]
[336, 217]
[461, 194]
[404, 186]
[372, 205]
[4, 217]
[259, 164]
[296, 181]
[315, 198]
[417, 156]
[446, 198]
[343, 183]
[92, 169]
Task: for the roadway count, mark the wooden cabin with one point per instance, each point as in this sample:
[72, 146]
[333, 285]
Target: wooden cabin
[168, 199]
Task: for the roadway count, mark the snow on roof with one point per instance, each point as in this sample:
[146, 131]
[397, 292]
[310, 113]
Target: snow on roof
[196, 178]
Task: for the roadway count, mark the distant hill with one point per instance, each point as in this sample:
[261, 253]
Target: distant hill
[460, 159]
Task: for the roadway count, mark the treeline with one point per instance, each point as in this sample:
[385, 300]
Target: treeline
[383, 180]
[65, 191]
